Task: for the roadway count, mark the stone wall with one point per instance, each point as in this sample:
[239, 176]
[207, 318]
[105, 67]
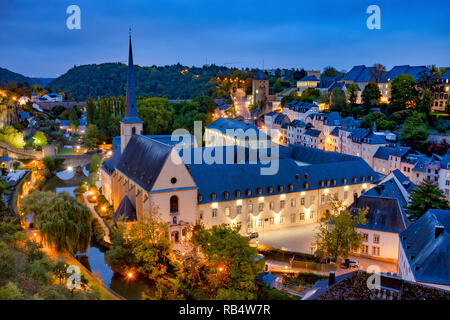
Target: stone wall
[7, 150]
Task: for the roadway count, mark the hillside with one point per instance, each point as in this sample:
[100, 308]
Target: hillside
[109, 79]
[9, 76]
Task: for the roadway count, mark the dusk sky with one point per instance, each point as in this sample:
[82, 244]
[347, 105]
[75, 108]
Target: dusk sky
[311, 34]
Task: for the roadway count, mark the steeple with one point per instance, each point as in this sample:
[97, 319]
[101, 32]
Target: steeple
[131, 107]
[130, 124]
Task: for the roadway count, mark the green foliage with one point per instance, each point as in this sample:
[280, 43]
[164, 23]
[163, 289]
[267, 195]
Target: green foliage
[64, 223]
[231, 265]
[339, 103]
[11, 291]
[414, 129]
[426, 196]
[371, 95]
[120, 256]
[339, 237]
[157, 114]
[7, 261]
[424, 104]
[380, 122]
[266, 293]
[95, 163]
[109, 80]
[92, 136]
[39, 139]
[352, 90]
[13, 137]
[73, 118]
[403, 93]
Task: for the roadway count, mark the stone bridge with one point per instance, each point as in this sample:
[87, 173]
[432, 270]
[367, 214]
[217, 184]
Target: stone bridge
[77, 160]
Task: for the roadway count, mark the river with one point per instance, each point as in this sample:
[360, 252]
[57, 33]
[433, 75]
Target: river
[128, 288]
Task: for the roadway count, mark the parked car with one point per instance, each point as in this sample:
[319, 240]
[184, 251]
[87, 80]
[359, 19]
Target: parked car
[253, 235]
[350, 263]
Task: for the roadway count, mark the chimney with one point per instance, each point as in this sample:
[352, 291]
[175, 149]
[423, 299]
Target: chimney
[331, 278]
[438, 230]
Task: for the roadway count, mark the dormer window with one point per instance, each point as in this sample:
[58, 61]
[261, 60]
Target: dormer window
[344, 181]
[259, 190]
[213, 196]
[306, 176]
[226, 194]
[270, 189]
[306, 185]
[290, 187]
[354, 179]
[280, 188]
[248, 192]
[200, 197]
[237, 193]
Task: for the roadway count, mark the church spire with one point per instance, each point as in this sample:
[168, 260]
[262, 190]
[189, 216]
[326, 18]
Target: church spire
[131, 108]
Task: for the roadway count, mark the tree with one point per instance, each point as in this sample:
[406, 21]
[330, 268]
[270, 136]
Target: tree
[371, 95]
[330, 72]
[414, 129]
[230, 264]
[39, 139]
[424, 105]
[91, 138]
[35, 204]
[426, 196]
[403, 93]
[94, 164]
[64, 223]
[339, 103]
[13, 137]
[352, 90]
[337, 237]
[157, 115]
[73, 117]
[91, 111]
[377, 72]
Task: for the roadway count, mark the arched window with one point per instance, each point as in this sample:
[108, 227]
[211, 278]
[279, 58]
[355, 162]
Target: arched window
[174, 220]
[173, 204]
[133, 130]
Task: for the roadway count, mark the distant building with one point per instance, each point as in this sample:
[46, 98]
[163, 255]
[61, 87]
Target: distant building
[424, 254]
[441, 98]
[260, 88]
[307, 82]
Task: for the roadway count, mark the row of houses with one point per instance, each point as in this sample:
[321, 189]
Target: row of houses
[362, 75]
[302, 124]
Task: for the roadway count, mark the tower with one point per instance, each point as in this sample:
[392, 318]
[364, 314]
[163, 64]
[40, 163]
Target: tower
[130, 124]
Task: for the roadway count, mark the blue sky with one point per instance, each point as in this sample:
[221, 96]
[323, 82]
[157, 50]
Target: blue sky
[284, 33]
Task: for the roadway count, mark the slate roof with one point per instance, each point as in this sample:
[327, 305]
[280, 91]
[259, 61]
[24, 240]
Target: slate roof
[309, 78]
[302, 167]
[349, 122]
[64, 123]
[445, 161]
[143, 159]
[361, 135]
[126, 211]
[413, 71]
[427, 251]
[300, 106]
[386, 204]
[222, 124]
[362, 74]
[279, 118]
[333, 119]
[24, 115]
[224, 107]
[446, 74]
[312, 132]
[297, 124]
[260, 76]
[326, 82]
[112, 162]
[386, 152]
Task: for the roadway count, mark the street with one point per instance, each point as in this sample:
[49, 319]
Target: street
[240, 103]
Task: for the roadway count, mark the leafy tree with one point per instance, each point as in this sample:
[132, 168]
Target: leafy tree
[231, 265]
[426, 196]
[73, 118]
[330, 72]
[339, 103]
[424, 105]
[120, 256]
[7, 262]
[35, 204]
[13, 137]
[39, 139]
[403, 93]
[377, 72]
[91, 111]
[91, 138]
[95, 163]
[157, 114]
[338, 237]
[64, 223]
[414, 129]
[11, 291]
[352, 90]
[371, 95]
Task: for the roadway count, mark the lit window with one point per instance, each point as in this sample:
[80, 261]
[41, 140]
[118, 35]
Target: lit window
[227, 211]
[214, 213]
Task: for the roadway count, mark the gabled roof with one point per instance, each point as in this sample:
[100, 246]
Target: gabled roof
[362, 74]
[413, 71]
[386, 203]
[143, 159]
[112, 162]
[426, 245]
[297, 124]
[385, 152]
[312, 132]
[280, 118]
[309, 78]
[446, 74]
[126, 211]
[333, 119]
[327, 82]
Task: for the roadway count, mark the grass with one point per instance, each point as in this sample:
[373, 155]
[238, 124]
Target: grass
[67, 152]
